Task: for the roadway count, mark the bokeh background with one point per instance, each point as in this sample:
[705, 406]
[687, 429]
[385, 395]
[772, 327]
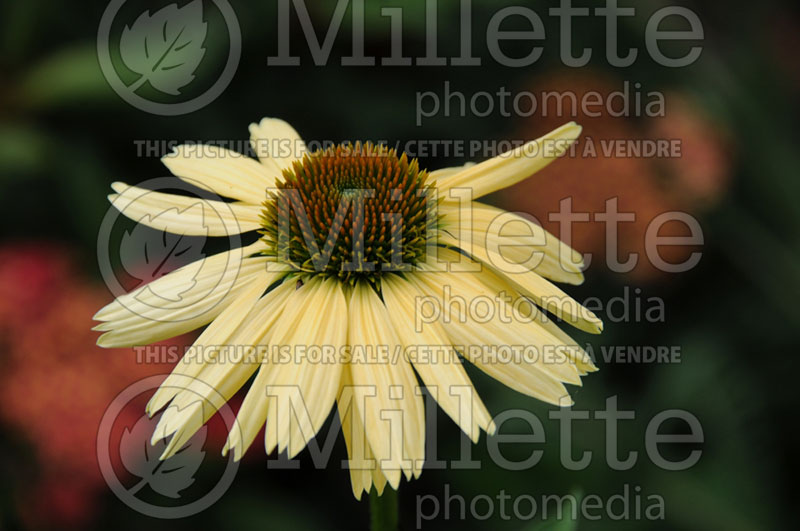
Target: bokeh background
[65, 136]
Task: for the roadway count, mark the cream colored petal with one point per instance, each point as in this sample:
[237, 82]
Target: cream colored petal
[206, 350]
[222, 171]
[364, 468]
[276, 144]
[482, 341]
[527, 308]
[530, 283]
[203, 394]
[434, 358]
[258, 407]
[252, 414]
[147, 320]
[309, 381]
[361, 460]
[574, 351]
[518, 239]
[513, 166]
[441, 173]
[385, 392]
[238, 331]
[183, 214]
[185, 284]
[194, 400]
[253, 411]
[182, 300]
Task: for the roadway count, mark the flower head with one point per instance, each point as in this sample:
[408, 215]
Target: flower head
[370, 274]
[388, 224]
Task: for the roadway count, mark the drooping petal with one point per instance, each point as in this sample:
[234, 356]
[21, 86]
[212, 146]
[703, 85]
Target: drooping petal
[306, 386]
[434, 358]
[528, 244]
[194, 399]
[522, 355]
[181, 301]
[385, 390]
[313, 330]
[529, 311]
[226, 354]
[221, 372]
[257, 333]
[222, 171]
[364, 468]
[546, 294]
[513, 166]
[183, 214]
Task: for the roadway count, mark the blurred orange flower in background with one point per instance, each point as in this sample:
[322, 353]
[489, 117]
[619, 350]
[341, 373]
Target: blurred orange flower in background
[647, 187]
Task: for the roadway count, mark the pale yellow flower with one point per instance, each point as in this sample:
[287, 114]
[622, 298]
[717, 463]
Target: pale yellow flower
[435, 252]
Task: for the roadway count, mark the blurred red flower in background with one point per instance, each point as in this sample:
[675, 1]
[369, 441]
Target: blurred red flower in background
[55, 382]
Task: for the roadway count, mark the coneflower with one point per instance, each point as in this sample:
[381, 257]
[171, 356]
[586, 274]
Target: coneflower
[354, 240]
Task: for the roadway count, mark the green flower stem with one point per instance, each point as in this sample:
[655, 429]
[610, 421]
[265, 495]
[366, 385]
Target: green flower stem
[383, 510]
